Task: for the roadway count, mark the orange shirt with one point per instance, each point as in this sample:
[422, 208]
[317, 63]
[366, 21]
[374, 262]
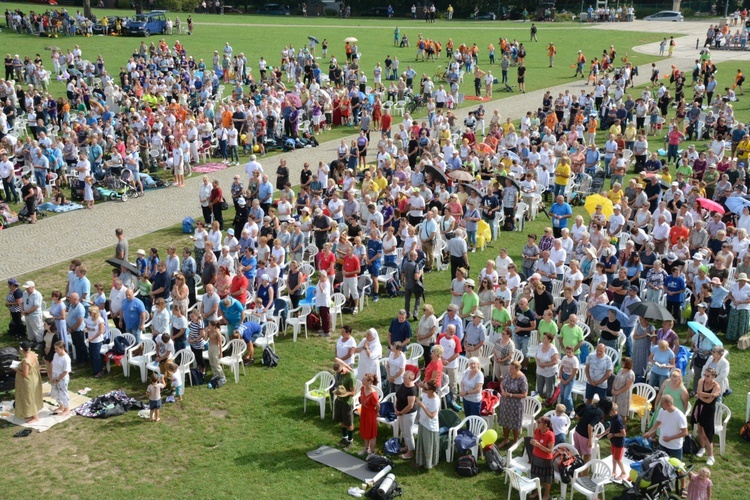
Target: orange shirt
[675, 233]
[591, 127]
[551, 50]
[226, 118]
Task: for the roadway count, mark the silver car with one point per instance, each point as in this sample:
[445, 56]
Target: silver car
[665, 15]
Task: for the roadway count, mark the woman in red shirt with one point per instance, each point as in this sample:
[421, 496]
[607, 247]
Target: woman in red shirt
[215, 201]
[434, 371]
[327, 261]
[674, 136]
[541, 460]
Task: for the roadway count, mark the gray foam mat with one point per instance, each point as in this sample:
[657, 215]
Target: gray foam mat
[343, 462]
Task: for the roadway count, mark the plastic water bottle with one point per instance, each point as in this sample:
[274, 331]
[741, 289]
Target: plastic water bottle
[210, 386]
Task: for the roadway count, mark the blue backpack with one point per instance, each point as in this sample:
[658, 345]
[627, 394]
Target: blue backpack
[188, 225]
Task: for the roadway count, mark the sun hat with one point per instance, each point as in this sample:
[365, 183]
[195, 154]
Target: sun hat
[28, 284]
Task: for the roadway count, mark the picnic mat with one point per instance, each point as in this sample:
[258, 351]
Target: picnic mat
[207, 168]
[53, 207]
[343, 462]
[46, 419]
[474, 98]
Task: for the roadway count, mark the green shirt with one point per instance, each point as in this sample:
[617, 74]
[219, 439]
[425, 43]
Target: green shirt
[347, 380]
[502, 316]
[711, 176]
[546, 327]
[571, 336]
[144, 288]
[686, 170]
[469, 301]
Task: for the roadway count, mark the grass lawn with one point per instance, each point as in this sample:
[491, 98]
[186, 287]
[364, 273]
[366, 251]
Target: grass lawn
[208, 444]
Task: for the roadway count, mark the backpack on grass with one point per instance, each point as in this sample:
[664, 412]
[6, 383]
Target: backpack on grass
[270, 358]
[494, 458]
[376, 463]
[313, 322]
[467, 466]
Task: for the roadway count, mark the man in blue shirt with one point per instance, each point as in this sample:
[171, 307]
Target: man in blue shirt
[451, 318]
[592, 159]
[400, 329]
[249, 332]
[74, 322]
[265, 194]
[232, 311]
[82, 286]
[160, 283]
[374, 252]
[490, 205]
[675, 288]
[133, 315]
[560, 212]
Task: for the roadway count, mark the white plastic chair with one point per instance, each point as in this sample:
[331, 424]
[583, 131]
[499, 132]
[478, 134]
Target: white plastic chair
[237, 348]
[721, 420]
[491, 417]
[319, 393]
[444, 389]
[523, 485]
[399, 108]
[592, 485]
[531, 408]
[572, 449]
[522, 463]
[267, 332]
[394, 423]
[338, 300]
[649, 394]
[414, 353]
[297, 319]
[485, 358]
[613, 354]
[187, 358]
[533, 344]
[463, 365]
[142, 361]
[476, 425]
[579, 384]
[520, 216]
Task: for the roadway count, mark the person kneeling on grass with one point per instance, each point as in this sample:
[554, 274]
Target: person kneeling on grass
[153, 391]
[249, 332]
[343, 408]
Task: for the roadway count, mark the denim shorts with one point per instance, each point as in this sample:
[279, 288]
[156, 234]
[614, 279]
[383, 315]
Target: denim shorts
[522, 344]
[592, 389]
[154, 404]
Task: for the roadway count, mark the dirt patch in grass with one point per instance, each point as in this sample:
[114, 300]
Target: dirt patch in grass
[218, 413]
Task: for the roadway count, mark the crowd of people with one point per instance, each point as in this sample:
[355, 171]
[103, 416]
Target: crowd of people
[402, 214]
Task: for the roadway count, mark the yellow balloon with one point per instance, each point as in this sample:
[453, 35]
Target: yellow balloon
[488, 438]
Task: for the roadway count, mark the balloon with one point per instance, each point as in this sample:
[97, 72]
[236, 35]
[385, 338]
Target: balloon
[488, 437]
[677, 464]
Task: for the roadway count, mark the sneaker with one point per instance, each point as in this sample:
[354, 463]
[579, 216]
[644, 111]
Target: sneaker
[348, 445]
[354, 311]
[710, 461]
[249, 362]
[375, 298]
[701, 452]
[343, 442]
[363, 452]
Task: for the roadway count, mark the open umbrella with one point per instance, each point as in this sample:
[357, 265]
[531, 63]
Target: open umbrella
[650, 310]
[601, 311]
[736, 203]
[702, 330]
[312, 39]
[596, 199]
[710, 205]
[483, 147]
[294, 100]
[502, 179]
[473, 188]
[120, 263]
[53, 48]
[460, 176]
[437, 174]
[350, 39]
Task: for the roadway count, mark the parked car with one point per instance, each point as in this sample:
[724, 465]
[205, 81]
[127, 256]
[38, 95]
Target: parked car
[111, 20]
[665, 15]
[274, 9]
[154, 22]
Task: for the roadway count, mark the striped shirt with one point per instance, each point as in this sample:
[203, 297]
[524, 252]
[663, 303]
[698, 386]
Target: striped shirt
[195, 339]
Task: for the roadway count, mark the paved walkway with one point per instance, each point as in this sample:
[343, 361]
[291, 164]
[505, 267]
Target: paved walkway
[67, 236]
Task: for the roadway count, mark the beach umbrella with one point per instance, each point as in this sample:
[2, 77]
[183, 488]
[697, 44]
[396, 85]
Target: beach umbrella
[460, 176]
[596, 199]
[710, 205]
[120, 263]
[702, 330]
[350, 39]
[601, 311]
[312, 39]
[736, 203]
[650, 310]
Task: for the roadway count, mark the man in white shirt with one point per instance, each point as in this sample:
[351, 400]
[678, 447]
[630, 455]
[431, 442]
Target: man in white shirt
[661, 234]
[83, 167]
[616, 222]
[673, 426]
[6, 174]
[558, 255]
[416, 208]
[252, 166]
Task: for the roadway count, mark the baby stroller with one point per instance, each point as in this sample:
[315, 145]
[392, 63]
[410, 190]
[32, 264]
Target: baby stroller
[658, 479]
[121, 188]
[24, 216]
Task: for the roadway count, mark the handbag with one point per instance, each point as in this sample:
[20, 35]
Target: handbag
[224, 204]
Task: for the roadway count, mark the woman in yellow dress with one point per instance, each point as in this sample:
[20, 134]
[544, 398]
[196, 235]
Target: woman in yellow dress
[28, 385]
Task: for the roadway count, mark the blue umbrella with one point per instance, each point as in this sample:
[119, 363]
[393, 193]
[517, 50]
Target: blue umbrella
[736, 204]
[600, 312]
[702, 330]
